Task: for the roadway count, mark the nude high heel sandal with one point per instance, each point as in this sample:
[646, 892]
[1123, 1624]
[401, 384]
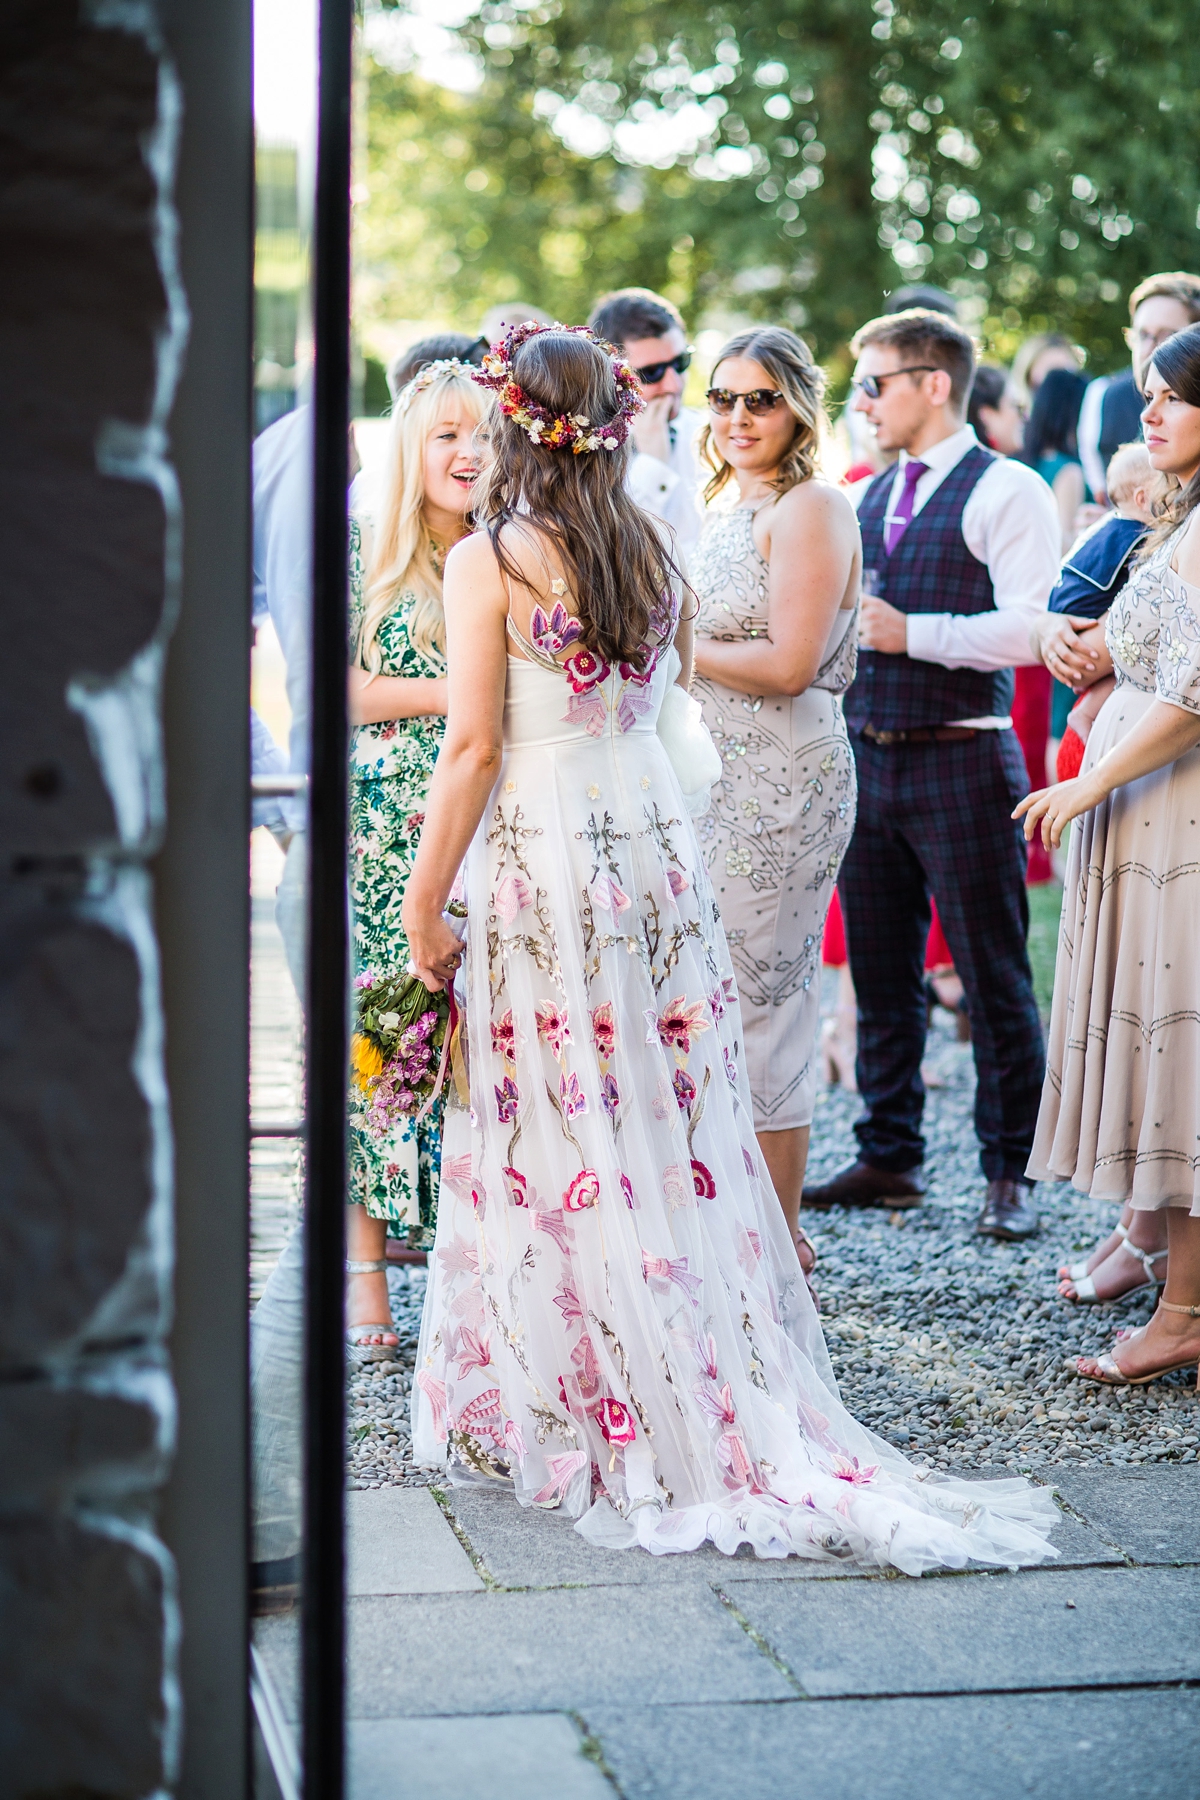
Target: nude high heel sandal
[1110, 1373]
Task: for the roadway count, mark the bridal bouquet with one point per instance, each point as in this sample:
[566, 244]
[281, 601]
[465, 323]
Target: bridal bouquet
[402, 1042]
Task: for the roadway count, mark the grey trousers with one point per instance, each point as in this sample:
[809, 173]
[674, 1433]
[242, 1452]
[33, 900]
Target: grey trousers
[277, 1322]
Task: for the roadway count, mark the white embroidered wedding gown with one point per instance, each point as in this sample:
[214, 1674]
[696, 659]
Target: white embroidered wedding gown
[616, 1321]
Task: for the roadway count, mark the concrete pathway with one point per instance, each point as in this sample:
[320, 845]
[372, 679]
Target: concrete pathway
[494, 1653]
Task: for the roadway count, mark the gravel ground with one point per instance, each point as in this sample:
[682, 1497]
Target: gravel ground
[956, 1348]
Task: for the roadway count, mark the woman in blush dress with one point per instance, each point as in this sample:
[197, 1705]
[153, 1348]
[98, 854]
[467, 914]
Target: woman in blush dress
[1120, 1111]
[397, 708]
[777, 575]
[616, 1323]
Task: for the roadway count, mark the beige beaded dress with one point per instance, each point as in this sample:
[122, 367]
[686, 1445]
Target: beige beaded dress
[779, 825]
[1120, 1111]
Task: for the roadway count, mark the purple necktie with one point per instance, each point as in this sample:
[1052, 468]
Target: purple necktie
[901, 519]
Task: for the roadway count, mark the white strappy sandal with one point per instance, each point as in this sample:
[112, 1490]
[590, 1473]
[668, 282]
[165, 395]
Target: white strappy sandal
[1110, 1373]
[1085, 1288]
[358, 1349]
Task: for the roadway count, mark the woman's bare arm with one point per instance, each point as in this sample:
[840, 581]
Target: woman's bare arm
[469, 760]
[814, 544]
[1162, 734]
[376, 698]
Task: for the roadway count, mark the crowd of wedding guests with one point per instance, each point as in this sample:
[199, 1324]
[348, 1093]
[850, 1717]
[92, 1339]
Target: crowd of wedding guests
[917, 678]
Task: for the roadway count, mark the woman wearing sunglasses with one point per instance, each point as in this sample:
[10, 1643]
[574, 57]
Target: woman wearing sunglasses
[777, 574]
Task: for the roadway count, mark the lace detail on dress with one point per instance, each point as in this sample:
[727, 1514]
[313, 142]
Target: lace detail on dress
[1153, 630]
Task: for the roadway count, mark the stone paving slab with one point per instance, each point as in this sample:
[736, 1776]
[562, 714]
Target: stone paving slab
[398, 1542]
[519, 1756]
[524, 1547]
[1153, 1514]
[521, 1547]
[1105, 1746]
[972, 1633]
[471, 1653]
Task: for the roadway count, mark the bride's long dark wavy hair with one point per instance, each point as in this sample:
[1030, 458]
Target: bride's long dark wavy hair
[615, 562]
[1178, 363]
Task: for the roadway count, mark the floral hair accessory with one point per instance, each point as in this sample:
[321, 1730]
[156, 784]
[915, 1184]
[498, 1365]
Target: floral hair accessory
[427, 376]
[559, 431]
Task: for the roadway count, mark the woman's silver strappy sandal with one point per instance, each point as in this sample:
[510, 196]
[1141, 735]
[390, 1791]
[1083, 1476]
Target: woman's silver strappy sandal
[358, 1350]
[1110, 1373]
[1085, 1288]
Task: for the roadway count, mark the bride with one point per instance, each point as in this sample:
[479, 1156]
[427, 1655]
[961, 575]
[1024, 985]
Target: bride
[616, 1320]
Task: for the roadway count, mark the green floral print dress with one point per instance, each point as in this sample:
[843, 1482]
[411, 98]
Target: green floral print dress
[395, 1177]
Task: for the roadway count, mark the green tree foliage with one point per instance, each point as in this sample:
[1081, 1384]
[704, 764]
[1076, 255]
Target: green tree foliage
[796, 160]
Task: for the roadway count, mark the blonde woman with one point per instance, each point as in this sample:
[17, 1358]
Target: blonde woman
[777, 575]
[397, 716]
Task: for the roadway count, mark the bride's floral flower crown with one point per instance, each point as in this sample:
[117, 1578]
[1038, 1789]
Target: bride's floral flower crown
[559, 431]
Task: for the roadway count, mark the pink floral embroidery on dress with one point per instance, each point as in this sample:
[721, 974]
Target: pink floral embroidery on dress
[610, 1095]
[562, 1469]
[473, 1352]
[631, 1199]
[553, 1026]
[609, 897]
[583, 1192]
[685, 1090]
[846, 1468]
[435, 1392]
[512, 895]
[615, 1421]
[702, 1181]
[508, 1100]
[567, 1302]
[585, 670]
[504, 1043]
[677, 1023]
[678, 882]
[661, 1271]
[518, 1186]
[552, 635]
[604, 1031]
[571, 1096]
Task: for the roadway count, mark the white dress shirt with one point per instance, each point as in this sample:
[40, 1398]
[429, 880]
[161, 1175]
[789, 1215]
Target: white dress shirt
[1087, 432]
[1010, 524]
[671, 490]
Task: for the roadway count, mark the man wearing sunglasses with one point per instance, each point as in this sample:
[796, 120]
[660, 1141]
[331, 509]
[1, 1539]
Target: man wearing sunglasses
[664, 474]
[960, 552]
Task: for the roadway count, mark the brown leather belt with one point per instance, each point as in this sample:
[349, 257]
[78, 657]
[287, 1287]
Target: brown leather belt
[923, 734]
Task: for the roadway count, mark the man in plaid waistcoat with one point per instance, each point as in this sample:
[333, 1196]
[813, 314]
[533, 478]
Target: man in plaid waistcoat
[960, 551]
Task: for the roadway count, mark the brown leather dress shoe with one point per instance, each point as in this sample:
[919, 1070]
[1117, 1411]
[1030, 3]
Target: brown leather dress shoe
[862, 1184]
[1008, 1212]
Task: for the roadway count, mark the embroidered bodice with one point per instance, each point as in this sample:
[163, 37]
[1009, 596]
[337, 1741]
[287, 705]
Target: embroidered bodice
[599, 698]
[730, 575]
[1153, 630]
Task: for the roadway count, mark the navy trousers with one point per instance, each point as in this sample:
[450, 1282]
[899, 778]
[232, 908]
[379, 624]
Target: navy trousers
[934, 818]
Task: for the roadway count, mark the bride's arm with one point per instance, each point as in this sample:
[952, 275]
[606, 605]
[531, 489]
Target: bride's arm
[469, 760]
[814, 543]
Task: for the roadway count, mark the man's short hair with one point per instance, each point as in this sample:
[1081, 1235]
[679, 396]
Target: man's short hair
[920, 336]
[447, 346]
[1175, 285]
[631, 313]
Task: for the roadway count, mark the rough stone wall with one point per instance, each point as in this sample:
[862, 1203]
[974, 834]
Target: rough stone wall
[92, 328]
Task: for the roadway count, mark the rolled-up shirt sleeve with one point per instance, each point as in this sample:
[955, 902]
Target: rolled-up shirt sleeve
[1010, 523]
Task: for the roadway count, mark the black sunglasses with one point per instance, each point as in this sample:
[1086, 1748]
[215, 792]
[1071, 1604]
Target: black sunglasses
[655, 371]
[872, 385]
[759, 401]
